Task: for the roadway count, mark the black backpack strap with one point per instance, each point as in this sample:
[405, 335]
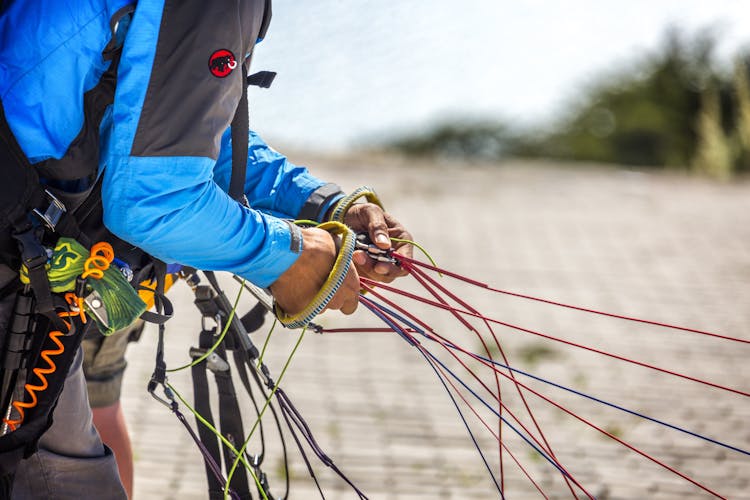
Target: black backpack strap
[21, 200]
[240, 131]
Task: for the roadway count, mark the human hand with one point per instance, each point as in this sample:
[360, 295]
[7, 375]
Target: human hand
[299, 284]
[381, 227]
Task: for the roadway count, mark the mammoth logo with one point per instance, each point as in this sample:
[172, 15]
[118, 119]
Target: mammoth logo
[221, 63]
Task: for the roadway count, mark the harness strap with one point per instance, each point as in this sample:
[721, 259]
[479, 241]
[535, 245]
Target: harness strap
[203, 407]
[229, 412]
[22, 195]
[240, 130]
[230, 419]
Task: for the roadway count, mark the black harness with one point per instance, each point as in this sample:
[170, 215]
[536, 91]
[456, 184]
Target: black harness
[32, 218]
[216, 315]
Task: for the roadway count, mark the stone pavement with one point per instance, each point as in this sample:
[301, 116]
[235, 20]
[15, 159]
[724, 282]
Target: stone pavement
[662, 247]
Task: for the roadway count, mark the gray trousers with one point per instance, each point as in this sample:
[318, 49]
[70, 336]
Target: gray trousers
[72, 463]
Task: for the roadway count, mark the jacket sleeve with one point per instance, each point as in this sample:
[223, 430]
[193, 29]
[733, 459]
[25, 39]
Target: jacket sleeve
[276, 186]
[169, 116]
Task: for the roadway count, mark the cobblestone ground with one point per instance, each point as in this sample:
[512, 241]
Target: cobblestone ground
[667, 248]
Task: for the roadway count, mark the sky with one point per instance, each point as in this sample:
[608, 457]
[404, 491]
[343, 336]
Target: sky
[352, 72]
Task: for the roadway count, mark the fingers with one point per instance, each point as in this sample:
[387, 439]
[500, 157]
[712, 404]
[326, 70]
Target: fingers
[381, 227]
[346, 299]
[370, 218]
[295, 288]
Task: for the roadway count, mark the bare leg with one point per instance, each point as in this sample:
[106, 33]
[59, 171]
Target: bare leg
[110, 422]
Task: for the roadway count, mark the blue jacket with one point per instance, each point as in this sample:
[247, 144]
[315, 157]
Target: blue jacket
[158, 128]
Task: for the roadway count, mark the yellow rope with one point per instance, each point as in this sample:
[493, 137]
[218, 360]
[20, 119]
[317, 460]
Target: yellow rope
[346, 202]
[333, 282]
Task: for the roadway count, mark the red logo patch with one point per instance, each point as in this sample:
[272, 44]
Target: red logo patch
[221, 63]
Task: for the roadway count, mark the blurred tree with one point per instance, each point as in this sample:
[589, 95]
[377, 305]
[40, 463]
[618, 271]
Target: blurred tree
[642, 116]
[461, 139]
[742, 96]
[673, 108]
[713, 155]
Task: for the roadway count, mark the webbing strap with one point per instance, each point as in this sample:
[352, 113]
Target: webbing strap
[20, 193]
[209, 303]
[203, 408]
[240, 131]
[230, 419]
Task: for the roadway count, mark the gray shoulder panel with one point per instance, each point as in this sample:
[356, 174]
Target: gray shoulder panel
[196, 80]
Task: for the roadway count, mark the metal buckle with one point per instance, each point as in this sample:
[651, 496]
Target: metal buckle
[214, 362]
[373, 251]
[52, 214]
[205, 326]
[96, 308]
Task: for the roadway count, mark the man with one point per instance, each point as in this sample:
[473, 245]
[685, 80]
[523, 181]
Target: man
[103, 368]
[140, 99]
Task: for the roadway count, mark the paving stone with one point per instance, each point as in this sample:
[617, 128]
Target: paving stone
[663, 247]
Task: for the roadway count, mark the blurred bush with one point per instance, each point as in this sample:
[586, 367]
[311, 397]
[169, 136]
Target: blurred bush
[675, 108]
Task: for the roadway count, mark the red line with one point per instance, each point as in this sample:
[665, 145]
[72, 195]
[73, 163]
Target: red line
[474, 411]
[561, 304]
[417, 274]
[580, 346]
[631, 447]
[566, 475]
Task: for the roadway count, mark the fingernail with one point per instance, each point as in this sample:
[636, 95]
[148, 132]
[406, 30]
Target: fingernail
[381, 238]
[381, 268]
[359, 258]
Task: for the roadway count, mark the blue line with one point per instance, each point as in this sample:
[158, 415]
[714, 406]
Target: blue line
[369, 304]
[399, 317]
[528, 441]
[579, 393]
[466, 424]
[372, 306]
[613, 405]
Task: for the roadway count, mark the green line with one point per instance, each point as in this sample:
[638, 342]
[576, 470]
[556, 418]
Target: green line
[265, 343]
[420, 247]
[219, 340]
[262, 411]
[226, 442]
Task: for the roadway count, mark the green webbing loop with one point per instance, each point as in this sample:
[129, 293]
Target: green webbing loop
[346, 202]
[333, 282]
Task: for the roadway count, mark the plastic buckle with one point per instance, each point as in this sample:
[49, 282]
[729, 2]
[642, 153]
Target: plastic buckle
[52, 214]
[33, 254]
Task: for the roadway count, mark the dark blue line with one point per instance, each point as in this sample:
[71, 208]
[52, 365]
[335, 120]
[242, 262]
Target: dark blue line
[373, 307]
[612, 405]
[579, 393]
[528, 441]
[466, 424]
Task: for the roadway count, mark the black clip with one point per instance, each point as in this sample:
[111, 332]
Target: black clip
[363, 242]
[33, 254]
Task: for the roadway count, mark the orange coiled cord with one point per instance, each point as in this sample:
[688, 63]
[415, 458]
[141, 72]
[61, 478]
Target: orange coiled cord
[98, 261]
[41, 373]
[101, 257]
